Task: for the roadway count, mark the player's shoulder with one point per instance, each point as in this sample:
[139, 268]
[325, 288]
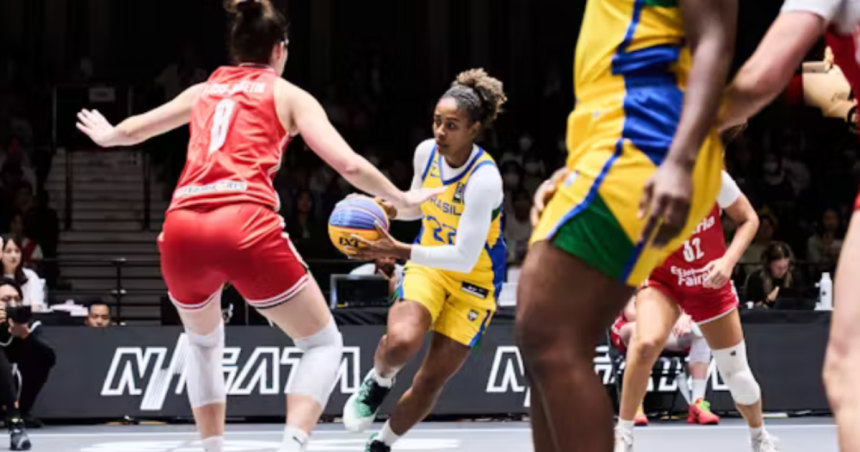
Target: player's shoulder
[425, 148]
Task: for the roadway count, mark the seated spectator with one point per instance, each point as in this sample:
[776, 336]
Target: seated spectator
[387, 267]
[764, 237]
[825, 244]
[99, 316]
[13, 268]
[518, 227]
[776, 279]
[21, 344]
[30, 249]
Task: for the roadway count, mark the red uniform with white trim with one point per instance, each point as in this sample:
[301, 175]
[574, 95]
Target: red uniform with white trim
[683, 273]
[222, 224]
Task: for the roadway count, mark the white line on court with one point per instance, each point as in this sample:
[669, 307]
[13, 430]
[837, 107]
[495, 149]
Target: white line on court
[771, 426]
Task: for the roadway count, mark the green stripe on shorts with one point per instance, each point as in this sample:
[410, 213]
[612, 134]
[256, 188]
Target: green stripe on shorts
[595, 236]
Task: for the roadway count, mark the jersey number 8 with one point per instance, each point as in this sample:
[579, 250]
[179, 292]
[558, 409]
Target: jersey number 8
[221, 124]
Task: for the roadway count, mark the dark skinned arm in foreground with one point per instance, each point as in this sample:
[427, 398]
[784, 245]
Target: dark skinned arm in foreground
[710, 27]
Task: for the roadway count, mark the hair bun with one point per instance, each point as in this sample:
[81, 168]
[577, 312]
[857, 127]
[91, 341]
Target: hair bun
[245, 7]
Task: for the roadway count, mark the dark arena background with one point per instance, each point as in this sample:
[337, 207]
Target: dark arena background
[91, 217]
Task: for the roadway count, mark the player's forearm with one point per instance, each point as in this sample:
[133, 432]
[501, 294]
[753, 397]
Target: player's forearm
[755, 86]
[711, 34]
[130, 132]
[364, 176]
[448, 257]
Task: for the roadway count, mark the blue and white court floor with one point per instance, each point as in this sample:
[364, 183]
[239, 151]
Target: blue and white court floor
[796, 435]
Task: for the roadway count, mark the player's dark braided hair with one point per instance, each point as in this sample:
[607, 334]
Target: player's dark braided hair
[257, 26]
[480, 95]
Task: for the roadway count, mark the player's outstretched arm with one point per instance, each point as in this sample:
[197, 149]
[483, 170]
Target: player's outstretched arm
[140, 128]
[772, 65]
[303, 114]
[710, 27]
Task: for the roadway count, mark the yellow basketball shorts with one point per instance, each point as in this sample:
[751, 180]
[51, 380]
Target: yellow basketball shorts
[460, 310]
[593, 214]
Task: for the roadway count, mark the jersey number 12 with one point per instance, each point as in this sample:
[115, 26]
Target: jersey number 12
[221, 124]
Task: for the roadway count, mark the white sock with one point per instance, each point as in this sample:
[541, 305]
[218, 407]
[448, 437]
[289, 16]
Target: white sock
[699, 388]
[213, 444]
[385, 382]
[757, 432]
[295, 440]
[387, 436]
[625, 426]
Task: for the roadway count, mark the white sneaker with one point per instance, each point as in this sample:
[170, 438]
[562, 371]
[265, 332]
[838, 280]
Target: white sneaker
[764, 443]
[623, 441]
[361, 408]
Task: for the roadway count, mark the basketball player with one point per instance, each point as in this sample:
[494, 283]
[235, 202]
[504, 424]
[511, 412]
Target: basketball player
[683, 338]
[222, 224]
[455, 269]
[648, 79]
[697, 279]
[798, 27]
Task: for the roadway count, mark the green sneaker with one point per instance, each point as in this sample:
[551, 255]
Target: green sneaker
[361, 408]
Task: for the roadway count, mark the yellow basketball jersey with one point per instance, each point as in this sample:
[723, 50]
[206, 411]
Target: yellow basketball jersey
[638, 39]
[441, 219]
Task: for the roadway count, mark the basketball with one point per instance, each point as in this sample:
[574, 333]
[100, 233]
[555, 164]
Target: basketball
[355, 216]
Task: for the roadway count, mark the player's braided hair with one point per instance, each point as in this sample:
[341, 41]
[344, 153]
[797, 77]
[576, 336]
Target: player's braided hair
[480, 95]
[257, 26]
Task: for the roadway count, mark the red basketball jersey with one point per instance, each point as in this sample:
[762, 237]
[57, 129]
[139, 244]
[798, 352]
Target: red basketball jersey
[236, 141]
[684, 269]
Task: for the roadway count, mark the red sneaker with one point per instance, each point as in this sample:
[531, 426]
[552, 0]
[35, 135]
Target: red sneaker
[700, 413]
[640, 420]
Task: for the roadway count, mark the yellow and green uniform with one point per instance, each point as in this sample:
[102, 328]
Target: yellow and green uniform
[461, 304]
[630, 74]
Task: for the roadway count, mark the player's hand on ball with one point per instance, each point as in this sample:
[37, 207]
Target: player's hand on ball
[544, 194]
[386, 246]
[719, 273]
[666, 202]
[389, 208]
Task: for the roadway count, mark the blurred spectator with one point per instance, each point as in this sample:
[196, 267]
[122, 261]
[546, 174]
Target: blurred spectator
[796, 171]
[764, 237]
[306, 233]
[776, 191]
[535, 173]
[22, 344]
[13, 268]
[386, 267]
[30, 249]
[43, 225]
[99, 316]
[512, 182]
[776, 279]
[518, 228]
[824, 245]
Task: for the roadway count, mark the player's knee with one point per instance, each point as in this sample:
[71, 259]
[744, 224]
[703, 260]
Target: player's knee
[647, 348]
[205, 371]
[403, 339]
[735, 370]
[320, 363]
